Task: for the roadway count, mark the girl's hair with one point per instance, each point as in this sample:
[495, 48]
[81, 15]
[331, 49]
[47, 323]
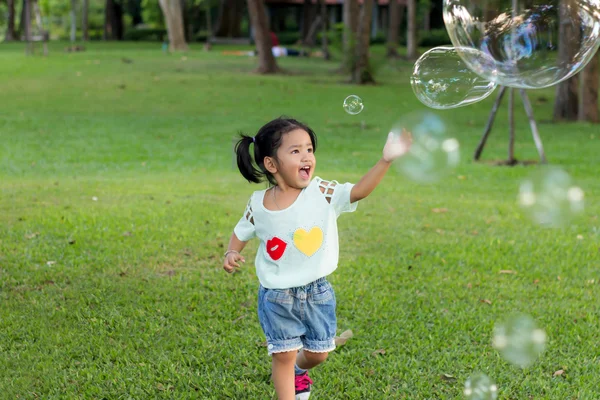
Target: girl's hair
[266, 142]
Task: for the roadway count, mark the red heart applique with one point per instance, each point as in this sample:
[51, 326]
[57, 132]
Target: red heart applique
[275, 248]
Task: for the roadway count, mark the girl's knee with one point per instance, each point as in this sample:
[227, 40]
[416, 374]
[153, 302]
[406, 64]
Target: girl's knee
[285, 357]
[316, 358]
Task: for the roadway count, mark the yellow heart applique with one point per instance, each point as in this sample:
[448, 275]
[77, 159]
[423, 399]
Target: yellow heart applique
[308, 242]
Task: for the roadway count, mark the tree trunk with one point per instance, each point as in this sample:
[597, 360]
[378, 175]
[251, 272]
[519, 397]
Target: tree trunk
[262, 37]
[73, 15]
[566, 101]
[27, 26]
[324, 44]
[11, 34]
[84, 20]
[361, 73]
[308, 18]
[173, 14]
[229, 23]
[351, 13]
[113, 21]
[427, 17]
[393, 29]
[588, 109]
[411, 30]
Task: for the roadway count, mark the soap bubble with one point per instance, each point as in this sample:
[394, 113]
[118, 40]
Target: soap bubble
[523, 41]
[442, 80]
[480, 387]
[550, 198]
[353, 104]
[519, 340]
[433, 152]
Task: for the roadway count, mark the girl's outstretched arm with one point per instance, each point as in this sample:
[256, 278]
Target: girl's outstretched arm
[395, 147]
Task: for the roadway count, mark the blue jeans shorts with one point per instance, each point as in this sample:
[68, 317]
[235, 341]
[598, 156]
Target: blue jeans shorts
[299, 317]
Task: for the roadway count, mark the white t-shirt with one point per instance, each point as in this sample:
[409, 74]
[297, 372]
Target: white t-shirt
[298, 245]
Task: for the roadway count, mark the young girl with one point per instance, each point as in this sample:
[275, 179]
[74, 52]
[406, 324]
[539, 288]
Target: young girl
[296, 222]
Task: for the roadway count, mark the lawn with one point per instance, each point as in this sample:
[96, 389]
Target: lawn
[118, 197]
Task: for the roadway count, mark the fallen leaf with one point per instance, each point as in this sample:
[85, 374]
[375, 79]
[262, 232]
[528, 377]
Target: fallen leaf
[169, 272]
[238, 318]
[32, 235]
[535, 282]
[558, 277]
[343, 338]
[127, 233]
[439, 210]
[378, 351]
[560, 372]
[447, 377]
[441, 232]
[72, 241]
[507, 271]
[417, 255]
[469, 286]
[462, 177]
[486, 301]
[50, 263]
[94, 198]
[580, 237]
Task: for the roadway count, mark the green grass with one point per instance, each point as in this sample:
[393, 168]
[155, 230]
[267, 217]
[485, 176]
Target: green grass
[124, 296]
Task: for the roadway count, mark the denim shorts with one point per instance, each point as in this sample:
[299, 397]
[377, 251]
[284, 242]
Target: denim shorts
[299, 317]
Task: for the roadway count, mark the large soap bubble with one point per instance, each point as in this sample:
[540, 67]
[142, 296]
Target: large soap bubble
[442, 80]
[434, 151]
[522, 38]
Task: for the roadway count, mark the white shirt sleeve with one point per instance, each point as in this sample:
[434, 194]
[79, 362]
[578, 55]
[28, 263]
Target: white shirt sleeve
[341, 198]
[245, 230]
[338, 195]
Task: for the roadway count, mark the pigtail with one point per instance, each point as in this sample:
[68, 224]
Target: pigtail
[244, 159]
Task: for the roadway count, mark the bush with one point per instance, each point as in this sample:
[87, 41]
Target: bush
[288, 37]
[145, 34]
[434, 38]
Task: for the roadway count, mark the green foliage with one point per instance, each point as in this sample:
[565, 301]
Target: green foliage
[434, 38]
[119, 195]
[145, 34]
[152, 14]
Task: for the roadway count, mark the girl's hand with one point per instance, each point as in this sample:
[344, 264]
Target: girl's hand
[397, 145]
[231, 261]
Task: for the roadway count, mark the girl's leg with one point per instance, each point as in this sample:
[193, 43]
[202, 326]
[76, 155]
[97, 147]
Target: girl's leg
[283, 374]
[308, 359]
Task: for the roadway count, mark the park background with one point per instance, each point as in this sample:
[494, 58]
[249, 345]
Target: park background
[119, 194]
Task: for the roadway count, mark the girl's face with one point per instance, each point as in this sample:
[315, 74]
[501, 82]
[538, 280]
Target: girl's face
[295, 159]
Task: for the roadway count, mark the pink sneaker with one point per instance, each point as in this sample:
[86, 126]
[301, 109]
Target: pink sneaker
[302, 383]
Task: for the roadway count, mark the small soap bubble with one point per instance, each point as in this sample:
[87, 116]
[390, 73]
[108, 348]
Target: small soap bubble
[434, 152]
[353, 104]
[518, 340]
[550, 198]
[480, 387]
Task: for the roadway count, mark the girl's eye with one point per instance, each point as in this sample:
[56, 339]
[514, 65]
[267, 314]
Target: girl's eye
[295, 151]
[310, 150]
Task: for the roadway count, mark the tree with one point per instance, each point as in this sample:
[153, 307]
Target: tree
[73, 16]
[229, 23]
[173, 14]
[113, 20]
[262, 37]
[411, 30]
[351, 14]
[588, 109]
[393, 29]
[10, 24]
[84, 20]
[361, 73]
[324, 45]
